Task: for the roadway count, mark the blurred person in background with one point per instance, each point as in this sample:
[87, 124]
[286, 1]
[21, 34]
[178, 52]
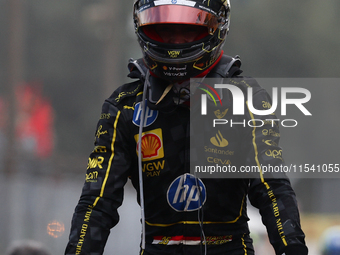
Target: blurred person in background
[181, 214]
[27, 247]
[34, 131]
[330, 241]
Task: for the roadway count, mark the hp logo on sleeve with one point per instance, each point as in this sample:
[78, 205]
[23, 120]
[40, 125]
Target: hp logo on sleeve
[186, 193]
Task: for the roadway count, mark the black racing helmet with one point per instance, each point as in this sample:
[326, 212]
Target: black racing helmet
[174, 62]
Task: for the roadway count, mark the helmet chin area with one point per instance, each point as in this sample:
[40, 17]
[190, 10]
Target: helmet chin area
[175, 62]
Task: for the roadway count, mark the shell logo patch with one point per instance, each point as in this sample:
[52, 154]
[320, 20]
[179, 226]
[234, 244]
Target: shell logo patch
[152, 144]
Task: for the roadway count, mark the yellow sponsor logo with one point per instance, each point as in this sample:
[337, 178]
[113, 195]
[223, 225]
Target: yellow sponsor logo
[127, 93]
[173, 53]
[270, 132]
[95, 162]
[277, 215]
[269, 142]
[129, 107]
[100, 132]
[266, 105]
[220, 114]
[165, 240]
[120, 95]
[218, 151]
[153, 168]
[274, 153]
[81, 238]
[218, 140]
[88, 214]
[105, 116]
[218, 161]
[99, 149]
[151, 144]
[217, 240]
[92, 177]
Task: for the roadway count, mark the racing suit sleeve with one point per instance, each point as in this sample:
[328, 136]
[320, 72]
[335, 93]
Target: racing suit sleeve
[107, 172]
[270, 191]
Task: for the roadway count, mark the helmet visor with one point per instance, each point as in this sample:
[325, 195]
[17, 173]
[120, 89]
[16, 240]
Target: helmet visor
[177, 14]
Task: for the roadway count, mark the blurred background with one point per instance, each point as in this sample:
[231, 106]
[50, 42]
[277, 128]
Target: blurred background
[60, 59]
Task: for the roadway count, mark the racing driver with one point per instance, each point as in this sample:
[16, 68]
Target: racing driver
[143, 134]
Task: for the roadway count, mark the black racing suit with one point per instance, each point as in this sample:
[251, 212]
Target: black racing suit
[174, 225]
